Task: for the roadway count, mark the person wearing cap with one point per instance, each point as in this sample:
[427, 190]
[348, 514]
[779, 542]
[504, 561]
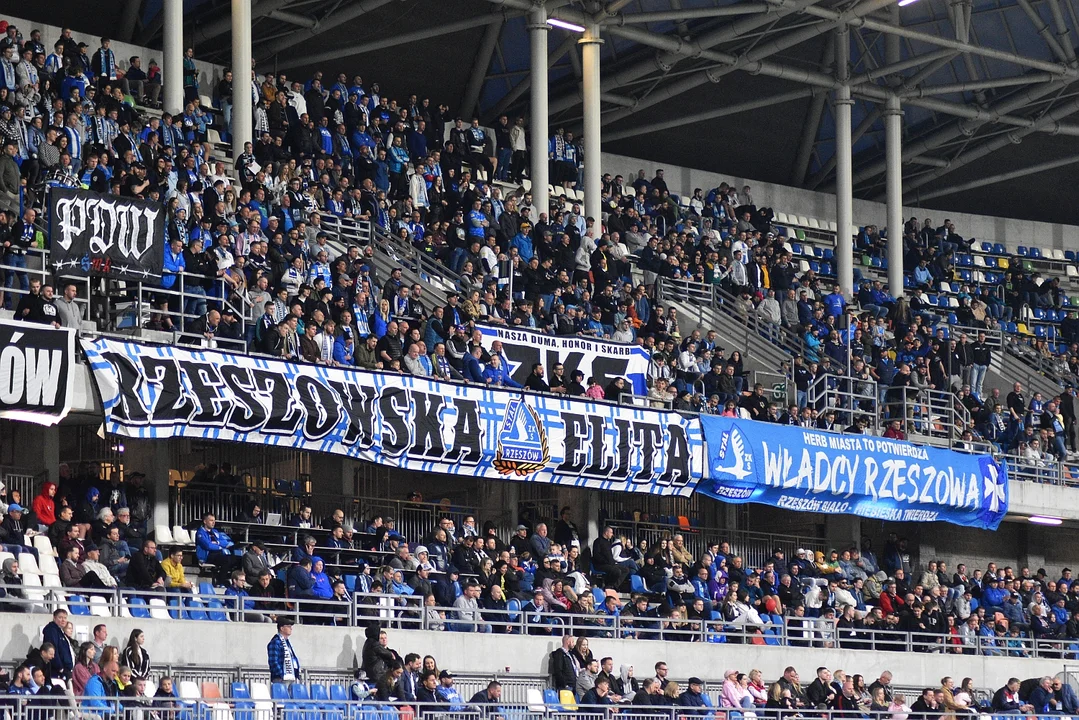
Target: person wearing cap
[75, 574]
[693, 697]
[447, 692]
[282, 659]
[12, 529]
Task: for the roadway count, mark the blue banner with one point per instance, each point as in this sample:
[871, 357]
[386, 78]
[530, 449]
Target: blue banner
[815, 471]
[152, 391]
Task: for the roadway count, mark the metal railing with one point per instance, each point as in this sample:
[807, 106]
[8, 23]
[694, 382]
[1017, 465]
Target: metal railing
[848, 396]
[333, 702]
[748, 324]
[409, 612]
[413, 520]
[755, 548]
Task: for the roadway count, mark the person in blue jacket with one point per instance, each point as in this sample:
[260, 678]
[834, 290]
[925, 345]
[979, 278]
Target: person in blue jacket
[215, 547]
[100, 689]
[62, 663]
[472, 370]
[282, 659]
[1042, 698]
[496, 374]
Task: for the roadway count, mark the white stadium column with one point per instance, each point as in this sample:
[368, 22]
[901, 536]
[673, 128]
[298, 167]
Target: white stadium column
[591, 44]
[242, 109]
[893, 142]
[173, 56]
[537, 30]
[844, 187]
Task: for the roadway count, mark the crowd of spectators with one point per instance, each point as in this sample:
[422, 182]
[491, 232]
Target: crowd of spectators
[108, 678]
[247, 244]
[544, 579]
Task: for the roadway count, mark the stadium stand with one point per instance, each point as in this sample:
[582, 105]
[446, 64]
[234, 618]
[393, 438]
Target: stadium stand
[359, 230]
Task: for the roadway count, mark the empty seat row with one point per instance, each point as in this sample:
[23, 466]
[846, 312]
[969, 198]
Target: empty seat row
[177, 536]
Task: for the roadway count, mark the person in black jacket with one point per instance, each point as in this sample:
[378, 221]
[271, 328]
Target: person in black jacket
[377, 657]
[427, 697]
[563, 667]
[144, 571]
[603, 560]
[820, 693]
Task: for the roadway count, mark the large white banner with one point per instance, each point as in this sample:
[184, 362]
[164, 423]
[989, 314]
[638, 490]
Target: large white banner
[602, 359]
[150, 391]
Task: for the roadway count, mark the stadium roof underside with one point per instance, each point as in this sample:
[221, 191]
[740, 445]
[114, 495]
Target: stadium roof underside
[988, 87]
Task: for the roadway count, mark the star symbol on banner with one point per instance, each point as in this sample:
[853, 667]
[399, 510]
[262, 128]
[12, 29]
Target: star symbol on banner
[511, 367]
[994, 489]
[124, 269]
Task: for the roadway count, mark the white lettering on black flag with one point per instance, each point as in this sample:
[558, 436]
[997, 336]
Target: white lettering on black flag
[393, 419]
[603, 359]
[36, 365]
[96, 234]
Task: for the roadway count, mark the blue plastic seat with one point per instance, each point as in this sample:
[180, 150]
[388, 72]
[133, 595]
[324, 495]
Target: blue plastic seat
[550, 697]
[826, 269]
[953, 319]
[636, 584]
[1069, 255]
[1035, 252]
[1039, 331]
[279, 691]
[81, 608]
[513, 608]
[796, 248]
[829, 254]
[196, 610]
[215, 610]
[243, 707]
[814, 266]
[350, 583]
[1039, 314]
[176, 609]
[999, 249]
[1013, 328]
[1022, 251]
[138, 608]
[206, 588]
[987, 247]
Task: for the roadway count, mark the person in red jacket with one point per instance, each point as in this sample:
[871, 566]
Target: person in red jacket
[44, 506]
[890, 603]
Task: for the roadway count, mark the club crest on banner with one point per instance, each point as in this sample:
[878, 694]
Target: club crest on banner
[735, 456]
[522, 441]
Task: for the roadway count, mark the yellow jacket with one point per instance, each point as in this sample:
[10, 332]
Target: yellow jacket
[174, 573]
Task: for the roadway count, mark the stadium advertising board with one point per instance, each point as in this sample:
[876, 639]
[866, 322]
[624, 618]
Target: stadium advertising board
[36, 367]
[150, 391]
[873, 477]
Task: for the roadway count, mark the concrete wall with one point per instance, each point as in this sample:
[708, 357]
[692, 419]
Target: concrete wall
[821, 206]
[189, 642]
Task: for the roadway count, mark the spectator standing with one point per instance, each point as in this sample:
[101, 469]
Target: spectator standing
[62, 663]
[283, 661]
[135, 656]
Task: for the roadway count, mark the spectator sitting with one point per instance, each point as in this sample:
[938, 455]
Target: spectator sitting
[100, 688]
[144, 571]
[173, 567]
[299, 582]
[214, 547]
[598, 694]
